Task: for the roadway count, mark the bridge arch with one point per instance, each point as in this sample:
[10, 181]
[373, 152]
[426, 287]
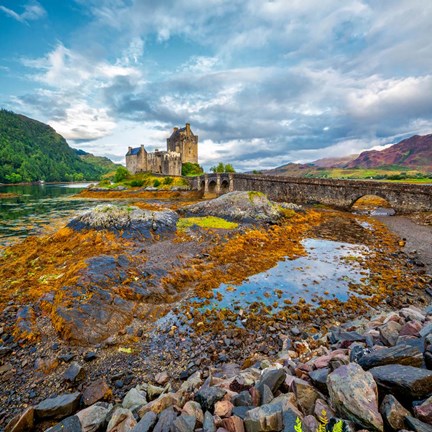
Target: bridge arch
[212, 186]
[225, 186]
[373, 203]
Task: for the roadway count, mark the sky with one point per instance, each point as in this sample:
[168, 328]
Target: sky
[262, 82]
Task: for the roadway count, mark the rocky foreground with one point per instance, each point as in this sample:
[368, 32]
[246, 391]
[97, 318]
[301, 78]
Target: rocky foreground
[364, 375]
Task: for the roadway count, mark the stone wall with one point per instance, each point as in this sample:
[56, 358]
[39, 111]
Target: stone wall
[403, 198]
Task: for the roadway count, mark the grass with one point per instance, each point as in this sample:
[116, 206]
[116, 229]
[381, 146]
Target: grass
[207, 222]
[143, 180]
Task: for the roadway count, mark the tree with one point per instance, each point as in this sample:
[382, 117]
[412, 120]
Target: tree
[121, 174]
[191, 169]
[222, 168]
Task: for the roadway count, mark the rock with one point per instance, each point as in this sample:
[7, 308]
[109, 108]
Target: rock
[159, 405]
[146, 423]
[122, 420]
[322, 410]
[75, 372]
[233, 424]
[22, 422]
[273, 378]
[310, 424]
[240, 206]
[166, 420]
[153, 391]
[412, 313]
[208, 424]
[404, 382]
[128, 221]
[389, 332]
[184, 423]
[357, 352]
[134, 398]
[162, 378]
[58, 407]
[244, 398]
[96, 391]
[424, 411]
[241, 411]
[417, 425]
[399, 354]
[90, 356]
[208, 396]
[92, 418]
[393, 412]
[223, 408]
[266, 395]
[411, 328]
[354, 394]
[319, 379]
[194, 408]
[264, 418]
[69, 424]
[426, 330]
[306, 396]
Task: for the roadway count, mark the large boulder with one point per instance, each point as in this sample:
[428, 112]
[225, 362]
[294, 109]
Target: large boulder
[239, 206]
[127, 221]
[405, 382]
[354, 394]
[393, 412]
[399, 354]
[58, 407]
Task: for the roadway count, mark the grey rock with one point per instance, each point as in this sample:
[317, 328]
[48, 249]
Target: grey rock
[58, 407]
[194, 409]
[166, 420]
[353, 393]
[93, 417]
[134, 398]
[146, 423]
[273, 378]
[244, 398]
[417, 426]
[404, 382]
[399, 354]
[393, 412]
[69, 424]
[75, 372]
[264, 418]
[184, 423]
[319, 379]
[209, 423]
[240, 411]
[389, 332]
[208, 396]
[266, 395]
[310, 424]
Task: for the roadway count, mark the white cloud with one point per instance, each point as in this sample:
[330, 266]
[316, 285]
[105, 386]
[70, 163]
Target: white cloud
[32, 12]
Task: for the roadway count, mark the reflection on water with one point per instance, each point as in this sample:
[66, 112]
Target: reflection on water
[327, 272]
[36, 207]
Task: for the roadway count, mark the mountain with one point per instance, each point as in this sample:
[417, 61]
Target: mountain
[334, 162]
[414, 153]
[32, 151]
[102, 162]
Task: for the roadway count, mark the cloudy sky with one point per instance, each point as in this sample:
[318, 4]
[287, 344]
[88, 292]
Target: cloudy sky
[262, 82]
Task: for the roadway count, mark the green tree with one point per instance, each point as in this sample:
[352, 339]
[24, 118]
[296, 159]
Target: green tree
[121, 174]
[191, 169]
[222, 168]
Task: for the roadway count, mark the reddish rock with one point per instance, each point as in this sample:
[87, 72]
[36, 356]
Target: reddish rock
[233, 424]
[322, 362]
[96, 391]
[424, 411]
[22, 422]
[223, 408]
[411, 328]
[162, 378]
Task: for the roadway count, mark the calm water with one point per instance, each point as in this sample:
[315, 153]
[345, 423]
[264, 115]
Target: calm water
[327, 271]
[37, 208]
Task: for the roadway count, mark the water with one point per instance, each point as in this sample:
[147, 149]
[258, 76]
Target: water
[36, 208]
[327, 272]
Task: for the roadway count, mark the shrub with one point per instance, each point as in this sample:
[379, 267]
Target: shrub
[191, 169]
[121, 174]
[168, 181]
[156, 183]
[136, 182]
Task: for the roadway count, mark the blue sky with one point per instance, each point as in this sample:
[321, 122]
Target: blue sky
[262, 82]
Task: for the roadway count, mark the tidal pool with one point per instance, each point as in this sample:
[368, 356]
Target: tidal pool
[328, 271]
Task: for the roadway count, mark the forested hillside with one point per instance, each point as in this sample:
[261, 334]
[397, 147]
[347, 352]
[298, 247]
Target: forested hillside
[32, 151]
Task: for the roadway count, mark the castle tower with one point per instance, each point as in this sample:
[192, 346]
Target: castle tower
[184, 141]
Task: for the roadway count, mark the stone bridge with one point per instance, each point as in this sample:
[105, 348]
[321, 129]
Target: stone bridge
[403, 197]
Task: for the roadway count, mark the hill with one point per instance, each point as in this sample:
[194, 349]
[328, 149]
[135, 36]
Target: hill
[103, 162]
[413, 153]
[32, 151]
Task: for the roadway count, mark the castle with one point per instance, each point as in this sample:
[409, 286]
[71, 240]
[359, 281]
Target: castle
[182, 147]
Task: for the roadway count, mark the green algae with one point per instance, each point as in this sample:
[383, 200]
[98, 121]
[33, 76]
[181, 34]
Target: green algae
[207, 222]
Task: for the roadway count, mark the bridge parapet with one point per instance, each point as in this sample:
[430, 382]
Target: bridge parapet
[404, 198]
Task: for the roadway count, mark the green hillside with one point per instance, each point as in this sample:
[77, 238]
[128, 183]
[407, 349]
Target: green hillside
[104, 163]
[32, 151]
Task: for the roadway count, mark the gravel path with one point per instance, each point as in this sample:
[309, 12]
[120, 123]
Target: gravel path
[418, 237]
